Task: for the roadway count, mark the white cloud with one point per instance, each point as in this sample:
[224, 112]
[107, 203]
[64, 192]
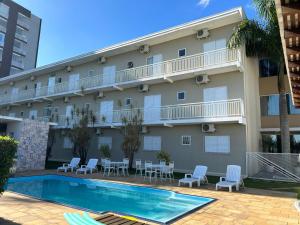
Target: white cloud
[203, 3]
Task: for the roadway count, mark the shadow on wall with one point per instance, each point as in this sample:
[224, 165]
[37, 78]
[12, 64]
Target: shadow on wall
[7, 222]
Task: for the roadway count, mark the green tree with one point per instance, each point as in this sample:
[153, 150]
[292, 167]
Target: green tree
[262, 39]
[8, 149]
[79, 132]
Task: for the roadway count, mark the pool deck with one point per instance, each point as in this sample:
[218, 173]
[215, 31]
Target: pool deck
[249, 206]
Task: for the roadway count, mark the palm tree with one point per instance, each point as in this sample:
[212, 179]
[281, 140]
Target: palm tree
[262, 39]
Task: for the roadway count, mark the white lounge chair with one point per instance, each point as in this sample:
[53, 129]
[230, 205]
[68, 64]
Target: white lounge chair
[90, 167]
[198, 175]
[69, 166]
[233, 178]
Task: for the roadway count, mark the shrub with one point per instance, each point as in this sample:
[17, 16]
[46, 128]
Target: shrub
[105, 151]
[163, 155]
[8, 149]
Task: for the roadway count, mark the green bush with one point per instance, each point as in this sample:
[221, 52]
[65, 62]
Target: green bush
[105, 151]
[163, 155]
[8, 149]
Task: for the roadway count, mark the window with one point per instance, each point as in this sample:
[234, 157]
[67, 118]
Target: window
[33, 114]
[14, 70]
[181, 95]
[182, 52]
[295, 143]
[105, 141]
[186, 140]
[4, 10]
[152, 143]
[267, 68]
[21, 113]
[17, 60]
[291, 108]
[128, 101]
[217, 144]
[25, 87]
[68, 143]
[12, 114]
[2, 39]
[269, 105]
[87, 106]
[59, 80]
[271, 143]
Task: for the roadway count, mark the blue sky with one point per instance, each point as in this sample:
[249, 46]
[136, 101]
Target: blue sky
[73, 27]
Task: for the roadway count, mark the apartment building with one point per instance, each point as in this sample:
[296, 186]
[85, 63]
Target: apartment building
[199, 100]
[19, 38]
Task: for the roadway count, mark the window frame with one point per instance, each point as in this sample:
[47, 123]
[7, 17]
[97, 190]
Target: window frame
[153, 146]
[184, 94]
[186, 136]
[178, 52]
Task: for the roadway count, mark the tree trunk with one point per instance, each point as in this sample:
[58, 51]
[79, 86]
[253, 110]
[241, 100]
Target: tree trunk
[283, 115]
[131, 156]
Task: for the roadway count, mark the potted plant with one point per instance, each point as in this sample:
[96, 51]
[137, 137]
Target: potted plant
[164, 156]
[105, 151]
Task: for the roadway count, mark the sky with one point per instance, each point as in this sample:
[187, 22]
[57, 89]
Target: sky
[74, 27]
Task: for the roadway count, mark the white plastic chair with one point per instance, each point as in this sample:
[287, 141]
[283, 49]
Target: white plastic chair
[124, 167]
[198, 175]
[90, 167]
[108, 168]
[168, 171]
[149, 171]
[233, 178]
[139, 167]
[69, 166]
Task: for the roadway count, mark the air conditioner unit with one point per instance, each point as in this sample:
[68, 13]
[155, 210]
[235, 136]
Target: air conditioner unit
[208, 128]
[143, 87]
[202, 79]
[29, 104]
[144, 130]
[144, 49]
[102, 59]
[204, 33]
[100, 94]
[69, 68]
[130, 65]
[66, 99]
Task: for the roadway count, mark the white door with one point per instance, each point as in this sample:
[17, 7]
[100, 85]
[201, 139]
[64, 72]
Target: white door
[212, 57]
[215, 94]
[38, 87]
[156, 68]
[152, 105]
[69, 111]
[32, 114]
[51, 85]
[74, 82]
[106, 111]
[109, 74]
[14, 93]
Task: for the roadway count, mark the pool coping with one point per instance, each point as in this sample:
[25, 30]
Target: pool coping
[180, 216]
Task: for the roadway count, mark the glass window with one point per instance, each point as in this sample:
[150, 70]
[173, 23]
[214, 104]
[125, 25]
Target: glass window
[269, 105]
[181, 95]
[291, 108]
[295, 143]
[152, 143]
[267, 68]
[2, 39]
[127, 101]
[181, 52]
[186, 140]
[271, 143]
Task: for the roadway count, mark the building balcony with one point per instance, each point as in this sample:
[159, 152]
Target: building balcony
[225, 111]
[214, 62]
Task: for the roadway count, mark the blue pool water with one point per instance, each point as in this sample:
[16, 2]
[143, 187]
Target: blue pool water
[99, 196]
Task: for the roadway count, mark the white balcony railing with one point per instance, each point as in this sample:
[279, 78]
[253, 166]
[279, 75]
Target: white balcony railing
[181, 113]
[166, 69]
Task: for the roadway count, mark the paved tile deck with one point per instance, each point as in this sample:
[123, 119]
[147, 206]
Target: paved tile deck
[250, 206]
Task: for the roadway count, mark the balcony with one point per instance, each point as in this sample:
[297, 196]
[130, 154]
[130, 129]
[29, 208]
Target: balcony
[226, 111]
[218, 61]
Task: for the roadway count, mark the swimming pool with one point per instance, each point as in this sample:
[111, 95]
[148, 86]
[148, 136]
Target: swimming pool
[99, 196]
